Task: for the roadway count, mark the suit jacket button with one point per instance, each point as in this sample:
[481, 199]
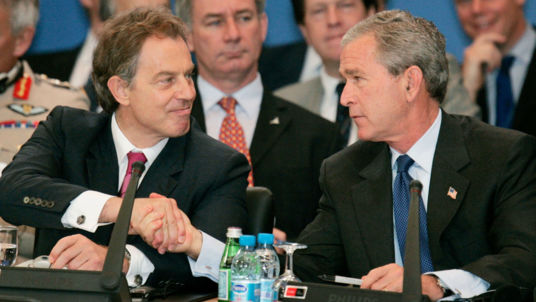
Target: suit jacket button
[50, 204]
[81, 219]
[26, 199]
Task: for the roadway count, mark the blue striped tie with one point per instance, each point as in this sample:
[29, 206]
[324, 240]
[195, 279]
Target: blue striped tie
[505, 96]
[401, 212]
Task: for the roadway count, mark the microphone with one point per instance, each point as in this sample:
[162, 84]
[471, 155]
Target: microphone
[412, 258]
[113, 264]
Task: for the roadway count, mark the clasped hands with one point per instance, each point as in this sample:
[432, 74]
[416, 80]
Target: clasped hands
[157, 220]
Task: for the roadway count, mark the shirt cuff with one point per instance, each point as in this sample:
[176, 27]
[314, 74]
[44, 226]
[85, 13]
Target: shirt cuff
[140, 267]
[208, 262]
[84, 211]
[462, 283]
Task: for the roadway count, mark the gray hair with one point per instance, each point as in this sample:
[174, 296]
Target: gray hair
[403, 41]
[23, 13]
[183, 9]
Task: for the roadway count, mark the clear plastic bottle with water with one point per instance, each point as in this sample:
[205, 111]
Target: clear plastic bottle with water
[269, 266]
[246, 272]
[231, 248]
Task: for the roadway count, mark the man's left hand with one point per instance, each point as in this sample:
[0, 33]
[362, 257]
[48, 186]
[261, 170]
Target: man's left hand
[390, 278]
[77, 252]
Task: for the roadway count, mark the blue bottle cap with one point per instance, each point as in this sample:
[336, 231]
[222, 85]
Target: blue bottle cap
[247, 240]
[265, 238]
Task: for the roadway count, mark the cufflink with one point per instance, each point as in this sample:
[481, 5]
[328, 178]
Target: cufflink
[138, 280]
[81, 219]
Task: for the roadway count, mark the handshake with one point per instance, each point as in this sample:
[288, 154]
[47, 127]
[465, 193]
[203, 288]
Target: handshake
[157, 220]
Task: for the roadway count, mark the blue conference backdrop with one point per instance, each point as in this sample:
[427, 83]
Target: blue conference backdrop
[63, 23]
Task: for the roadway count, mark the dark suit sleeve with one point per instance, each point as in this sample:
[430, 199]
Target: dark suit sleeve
[32, 189]
[217, 207]
[325, 252]
[512, 229]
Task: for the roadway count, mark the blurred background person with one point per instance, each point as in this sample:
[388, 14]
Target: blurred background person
[499, 67]
[26, 98]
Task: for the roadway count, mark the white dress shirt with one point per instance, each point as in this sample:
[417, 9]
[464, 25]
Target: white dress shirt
[247, 108]
[84, 62]
[312, 63]
[90, 204]
[330, 101]
[522, 52]
[464, 284]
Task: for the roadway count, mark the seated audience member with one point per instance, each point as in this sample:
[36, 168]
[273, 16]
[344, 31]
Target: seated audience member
[67, 180]
[323, 23]
[26, 98]
[286, 64]
[499, 67]
[284, 143]
[478, 201]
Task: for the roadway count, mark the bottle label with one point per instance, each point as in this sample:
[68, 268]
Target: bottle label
[267, 292]
[245, 291]
[224, 284]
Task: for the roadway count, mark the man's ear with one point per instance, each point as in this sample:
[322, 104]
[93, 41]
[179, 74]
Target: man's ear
[264, 25]
[413, 81]
[119, 89]
[304, 33]
[23, 41]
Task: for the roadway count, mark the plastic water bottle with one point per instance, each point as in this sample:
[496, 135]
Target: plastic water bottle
[231, 248]
[246, 272]
[269, 266]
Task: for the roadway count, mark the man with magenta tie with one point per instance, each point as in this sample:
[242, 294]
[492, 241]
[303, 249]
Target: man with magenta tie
[69, 178]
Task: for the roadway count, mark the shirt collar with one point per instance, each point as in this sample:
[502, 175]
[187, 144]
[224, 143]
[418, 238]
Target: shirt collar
[123, 145]
[329, 83]
[249, 97]
[422, 152]
[525, 46]
[12, 73]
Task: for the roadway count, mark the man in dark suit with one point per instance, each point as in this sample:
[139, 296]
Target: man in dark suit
[499, 67]
[65, 180]
[285, 144]
[478, 201]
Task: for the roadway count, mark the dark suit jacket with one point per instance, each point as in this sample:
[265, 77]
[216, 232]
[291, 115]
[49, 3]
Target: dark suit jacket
[282, 65]
[286, 158]
[488, 230]
[523, 119]
[73, 151]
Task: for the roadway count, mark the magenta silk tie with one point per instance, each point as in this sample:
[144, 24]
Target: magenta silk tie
[132, 158]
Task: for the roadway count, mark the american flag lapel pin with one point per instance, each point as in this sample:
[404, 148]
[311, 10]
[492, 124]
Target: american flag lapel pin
[452, 193]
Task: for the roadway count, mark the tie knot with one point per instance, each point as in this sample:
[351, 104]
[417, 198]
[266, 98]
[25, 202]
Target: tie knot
[228, 104]
[506, 63]
[136, 156]
[403, 163]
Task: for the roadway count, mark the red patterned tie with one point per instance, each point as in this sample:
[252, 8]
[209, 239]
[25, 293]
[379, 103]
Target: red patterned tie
[132, 158]
[231, 132]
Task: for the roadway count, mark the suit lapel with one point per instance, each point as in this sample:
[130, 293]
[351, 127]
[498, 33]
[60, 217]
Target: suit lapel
[273, 119]
[314, 97]
[101, 162]
[159, 178]
[450, 157]
[197, 110]
[371, 196]
[526, 105]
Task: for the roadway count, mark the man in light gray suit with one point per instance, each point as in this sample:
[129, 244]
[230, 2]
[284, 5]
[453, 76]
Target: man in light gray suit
[323, 23]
